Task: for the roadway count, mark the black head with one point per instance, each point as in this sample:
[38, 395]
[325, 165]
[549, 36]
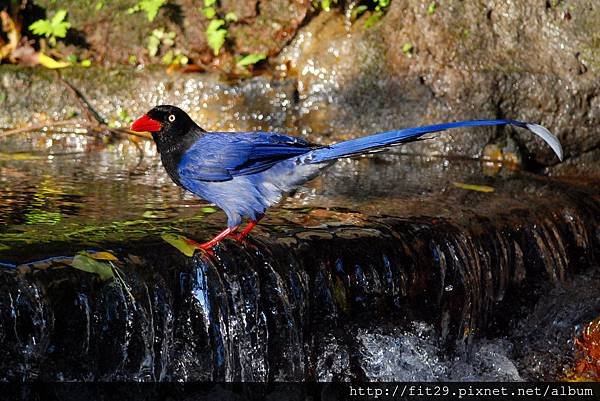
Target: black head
[170, 127]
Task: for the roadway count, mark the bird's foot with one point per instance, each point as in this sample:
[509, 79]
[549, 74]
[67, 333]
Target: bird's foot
[238, 237]
[206, 247]
[242, 236]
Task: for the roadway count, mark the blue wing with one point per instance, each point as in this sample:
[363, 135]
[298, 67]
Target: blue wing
[220, 156]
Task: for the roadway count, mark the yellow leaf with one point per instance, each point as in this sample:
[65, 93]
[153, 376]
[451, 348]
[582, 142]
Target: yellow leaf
[49, 62]
[102, 256]
[473, 187]
[181, 243]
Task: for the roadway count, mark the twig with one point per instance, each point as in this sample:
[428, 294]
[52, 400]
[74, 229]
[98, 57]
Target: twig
[94, 127]
[36, 127]
[120, 131]
[90, 114]
[94, 122]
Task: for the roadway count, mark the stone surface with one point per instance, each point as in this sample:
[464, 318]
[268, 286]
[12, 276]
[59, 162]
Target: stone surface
[468, 60]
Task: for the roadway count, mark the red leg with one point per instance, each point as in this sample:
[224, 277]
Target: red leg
[207, 246]
[247, 230]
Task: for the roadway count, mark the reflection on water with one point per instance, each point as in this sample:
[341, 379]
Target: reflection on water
[79, 185]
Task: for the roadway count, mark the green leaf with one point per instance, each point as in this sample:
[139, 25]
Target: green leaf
[231, 17]
[473, 187]
[180, 242]
[151, 8]
[72, 58]
[431, 8]
[54, 28]
[357, 11]
[384, 3]
[215, 35]
[209, 12]
[407, 48]
[174, 58]
[166, 59]
[209, 3]
[373, 18]
[87, 264]
[251, 59]
[169, 38]
[58, 17]
[158, 33]
[326, 5]
[41, 27]
[215, 25]
[182, 59]
[59, 28]
[153, 43]
[208, 209]
[99, 5]
[86, 63]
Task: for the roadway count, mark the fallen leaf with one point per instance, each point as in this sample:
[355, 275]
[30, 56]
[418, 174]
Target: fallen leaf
[20, 156]
[87, 264]
[102, 256]
[587, 366]
[180, 242]
[473, 187]
[50, 63]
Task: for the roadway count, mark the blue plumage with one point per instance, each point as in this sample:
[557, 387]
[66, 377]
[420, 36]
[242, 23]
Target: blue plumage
[246, 172]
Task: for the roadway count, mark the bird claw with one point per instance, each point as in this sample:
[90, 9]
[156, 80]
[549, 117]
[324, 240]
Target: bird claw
[238, 237]
[206, 247]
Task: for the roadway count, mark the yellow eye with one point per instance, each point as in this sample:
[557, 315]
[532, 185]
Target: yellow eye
[172, 117]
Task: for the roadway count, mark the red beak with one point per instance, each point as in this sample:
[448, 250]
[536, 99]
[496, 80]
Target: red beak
[145, 123]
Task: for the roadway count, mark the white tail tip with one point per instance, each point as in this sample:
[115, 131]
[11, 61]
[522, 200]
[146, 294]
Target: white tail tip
[548, 137]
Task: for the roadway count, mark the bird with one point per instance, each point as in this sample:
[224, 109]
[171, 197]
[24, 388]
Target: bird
[244, 173]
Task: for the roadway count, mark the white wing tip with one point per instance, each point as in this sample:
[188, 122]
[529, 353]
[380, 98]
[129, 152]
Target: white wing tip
[548, 137]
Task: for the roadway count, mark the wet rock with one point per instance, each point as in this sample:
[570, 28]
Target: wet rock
[274, 24]
[467, 60]
[545, 340]
[121, 94]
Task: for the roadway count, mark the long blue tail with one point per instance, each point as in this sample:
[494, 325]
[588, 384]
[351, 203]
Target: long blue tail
[367, 144]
